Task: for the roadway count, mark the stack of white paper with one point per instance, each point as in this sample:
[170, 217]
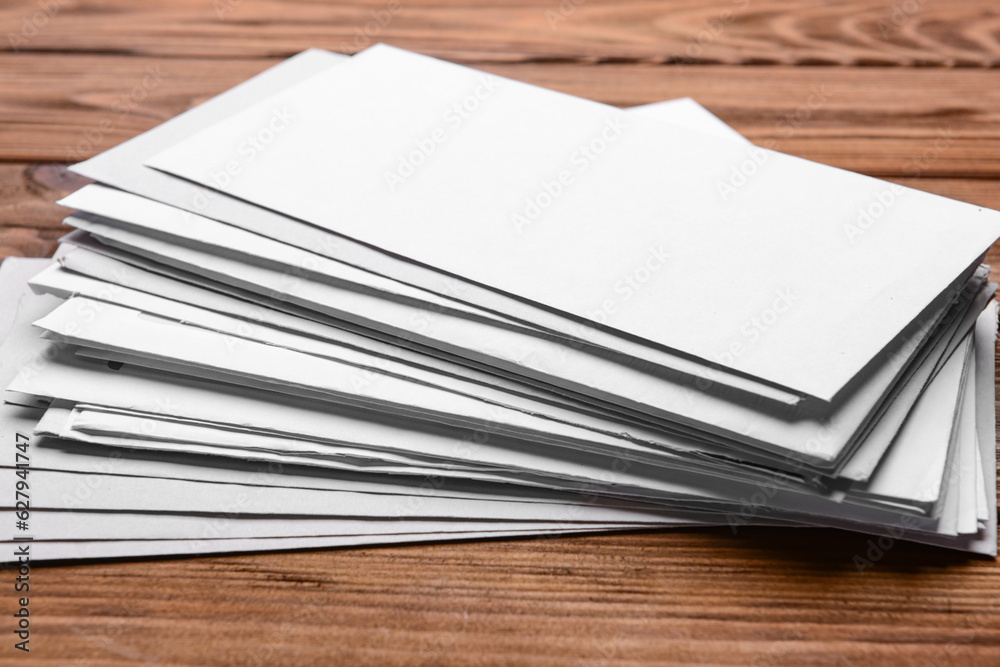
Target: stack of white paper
[388, 299]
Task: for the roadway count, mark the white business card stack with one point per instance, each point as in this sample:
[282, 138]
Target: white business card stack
[389, 299]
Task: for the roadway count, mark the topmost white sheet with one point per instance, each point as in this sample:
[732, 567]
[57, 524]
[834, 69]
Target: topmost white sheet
[790, 271]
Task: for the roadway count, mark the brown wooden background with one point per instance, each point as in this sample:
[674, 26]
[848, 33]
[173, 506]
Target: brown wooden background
[912, 92]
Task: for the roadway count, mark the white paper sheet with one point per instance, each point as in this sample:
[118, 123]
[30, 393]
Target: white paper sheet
[816, 439]
[61, 282]
[131, 526]
[122, 167]
[914, 469]
[523, 136]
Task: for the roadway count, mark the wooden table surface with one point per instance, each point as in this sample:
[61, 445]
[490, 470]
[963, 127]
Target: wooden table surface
[908, 91]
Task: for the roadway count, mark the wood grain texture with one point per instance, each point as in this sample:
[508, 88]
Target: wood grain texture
[30, 222]
[911, 93]
[880, 121]
[963, 33]
[765, 597]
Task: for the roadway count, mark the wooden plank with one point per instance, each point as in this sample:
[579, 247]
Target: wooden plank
[82, 81]
[30, 222]
[28, 241]
[764, 597]
[880, 121]
[28, 193]
[838, 32]
[55, 109]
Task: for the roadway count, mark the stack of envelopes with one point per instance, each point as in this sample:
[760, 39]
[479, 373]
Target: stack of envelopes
[387, 299]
